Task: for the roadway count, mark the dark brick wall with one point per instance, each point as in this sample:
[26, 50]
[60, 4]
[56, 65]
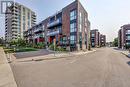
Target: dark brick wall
[66, 18]
[103, 40]
[97, 38]
[84, 15]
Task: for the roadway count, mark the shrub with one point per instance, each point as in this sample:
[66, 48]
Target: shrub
[51, 47]
[127, 46]
[41, 45]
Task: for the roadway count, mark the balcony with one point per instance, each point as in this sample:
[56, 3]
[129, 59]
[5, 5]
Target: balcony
[55, 23]
[39, 35]
[37, 30]
[29, 33]
[53, 33]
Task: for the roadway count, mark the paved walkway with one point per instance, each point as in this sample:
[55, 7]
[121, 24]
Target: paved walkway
[124, 51]
[6, 74]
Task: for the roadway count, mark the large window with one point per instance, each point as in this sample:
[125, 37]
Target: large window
[72, 39]
[93, 44]
[28, 20]
[73, 15]
[93, 35]
[23, 11]
[128, 37]
[64, 40]
[23, 26]
[80, 22]
[128, 31]
[73, 27]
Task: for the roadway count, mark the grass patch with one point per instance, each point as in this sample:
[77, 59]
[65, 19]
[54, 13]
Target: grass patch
[8, 50]
[21, 49]
[25, 49]
[1, 45]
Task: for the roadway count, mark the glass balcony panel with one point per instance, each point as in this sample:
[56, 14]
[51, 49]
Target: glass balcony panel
[55, 23]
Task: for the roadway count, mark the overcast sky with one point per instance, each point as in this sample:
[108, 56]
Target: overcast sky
[105, 15]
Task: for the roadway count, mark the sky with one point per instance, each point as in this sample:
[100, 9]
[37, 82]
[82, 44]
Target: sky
[106, 15]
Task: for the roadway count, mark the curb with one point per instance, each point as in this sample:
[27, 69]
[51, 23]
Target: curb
[125, 54]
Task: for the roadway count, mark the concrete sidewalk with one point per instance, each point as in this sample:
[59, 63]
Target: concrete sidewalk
[57, 55]
[6, 74]
[126, 53]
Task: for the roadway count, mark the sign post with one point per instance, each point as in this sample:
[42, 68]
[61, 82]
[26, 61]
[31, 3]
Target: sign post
[54, 46]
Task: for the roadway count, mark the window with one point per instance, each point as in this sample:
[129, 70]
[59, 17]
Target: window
[128, 37]
[73, 27]
[64, 40]
[128, 43]
[80, 28]
[93, 44]
[72, 39]
[28, 15]
[23, 26]
[73, 15]
[93, 35]
[23, 18]
[80, 22]
[128, 31]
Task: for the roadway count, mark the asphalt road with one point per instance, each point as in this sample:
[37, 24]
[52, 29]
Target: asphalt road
[104, 68]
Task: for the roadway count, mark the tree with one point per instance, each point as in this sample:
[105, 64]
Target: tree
[115, 42]
[1, 41]
[19, 42]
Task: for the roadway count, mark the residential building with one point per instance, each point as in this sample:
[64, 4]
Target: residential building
[102, 40]
[95, 38]
[70, 28]
[124, 37]
[18, 19]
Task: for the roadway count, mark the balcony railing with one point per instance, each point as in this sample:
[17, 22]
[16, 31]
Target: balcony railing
[38, 30]
[52, 33]
[55, 23]
[37, 36]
